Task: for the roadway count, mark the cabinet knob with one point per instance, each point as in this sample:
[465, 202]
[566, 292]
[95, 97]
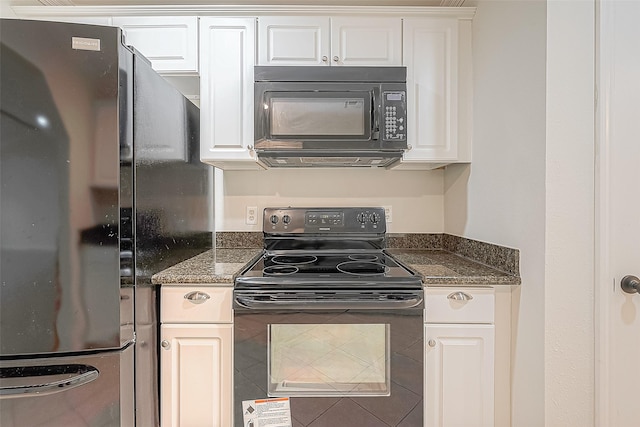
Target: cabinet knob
[431, 343]
[197, 297]
[336, 59]
[250, 147]
[409, 147]
[324, 58]
[165, 344]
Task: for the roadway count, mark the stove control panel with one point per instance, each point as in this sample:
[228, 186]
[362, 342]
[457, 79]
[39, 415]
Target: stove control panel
[324, 220]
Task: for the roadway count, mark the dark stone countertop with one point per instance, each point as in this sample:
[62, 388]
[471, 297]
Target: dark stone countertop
[436, 267]
[442, 268]
[216, 266]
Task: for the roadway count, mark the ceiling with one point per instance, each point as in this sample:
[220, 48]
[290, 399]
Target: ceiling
[452, 3]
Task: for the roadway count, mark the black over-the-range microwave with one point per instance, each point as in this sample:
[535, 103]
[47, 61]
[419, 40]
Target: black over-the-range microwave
[330, 116]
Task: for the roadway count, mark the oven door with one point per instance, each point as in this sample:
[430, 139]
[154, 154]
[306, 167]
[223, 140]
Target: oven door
[342, 358]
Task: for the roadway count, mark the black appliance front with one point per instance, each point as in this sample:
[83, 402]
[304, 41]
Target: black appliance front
[62, 189]
[77, 252]
[359, 367]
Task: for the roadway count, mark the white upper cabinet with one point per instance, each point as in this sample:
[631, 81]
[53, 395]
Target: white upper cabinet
[294, 40]
[318, 40]
[227, 52]
[366, 41]
[169, 42]
[437, 53]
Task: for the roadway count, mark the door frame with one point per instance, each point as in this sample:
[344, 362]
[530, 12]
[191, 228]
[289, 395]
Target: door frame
[604, 291]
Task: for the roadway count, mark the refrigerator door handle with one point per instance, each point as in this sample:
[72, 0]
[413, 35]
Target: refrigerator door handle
[22, 381]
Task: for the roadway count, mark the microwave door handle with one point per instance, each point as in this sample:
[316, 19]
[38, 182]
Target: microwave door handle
[375, 125]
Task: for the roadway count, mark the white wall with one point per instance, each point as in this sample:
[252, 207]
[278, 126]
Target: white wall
[5, 10]
[500, 197]
[530, 186]
[416, 197]
[569, 281]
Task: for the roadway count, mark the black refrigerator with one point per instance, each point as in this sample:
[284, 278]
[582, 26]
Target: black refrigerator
[101, 186]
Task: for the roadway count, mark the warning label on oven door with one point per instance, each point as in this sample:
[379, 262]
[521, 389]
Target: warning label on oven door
[266, 413]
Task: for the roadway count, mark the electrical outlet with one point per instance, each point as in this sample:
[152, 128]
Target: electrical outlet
[252, 215]
[387, 214]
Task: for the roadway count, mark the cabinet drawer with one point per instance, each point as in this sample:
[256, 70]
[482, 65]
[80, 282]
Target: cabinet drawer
[459, 305]
[180, 304]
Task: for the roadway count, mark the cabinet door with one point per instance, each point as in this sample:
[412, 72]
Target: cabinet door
[293, 40]
[170, 43]
[195, 375]
[459, 375]
[366, 41]
[227, 49]
[430, 52]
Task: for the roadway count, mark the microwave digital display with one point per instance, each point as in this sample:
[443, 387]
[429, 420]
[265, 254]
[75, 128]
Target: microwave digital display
[394, 96]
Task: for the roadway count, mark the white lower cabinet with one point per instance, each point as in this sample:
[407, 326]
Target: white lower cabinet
[459, 358]
[196, 384]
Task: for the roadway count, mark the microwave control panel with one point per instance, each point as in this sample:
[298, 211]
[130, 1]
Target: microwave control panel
[394, 107]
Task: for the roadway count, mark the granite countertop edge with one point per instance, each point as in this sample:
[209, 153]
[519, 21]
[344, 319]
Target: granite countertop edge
[219, 267]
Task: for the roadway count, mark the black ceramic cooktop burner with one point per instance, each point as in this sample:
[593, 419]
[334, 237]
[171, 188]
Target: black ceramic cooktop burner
[280, 270]
[364, 257]
[294, 259]
[362, 268]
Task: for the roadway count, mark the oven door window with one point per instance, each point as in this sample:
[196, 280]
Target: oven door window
[328, 360]
[319, 115]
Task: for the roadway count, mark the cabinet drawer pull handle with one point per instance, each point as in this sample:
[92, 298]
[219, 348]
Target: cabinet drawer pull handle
[460, 296]
[197, 297]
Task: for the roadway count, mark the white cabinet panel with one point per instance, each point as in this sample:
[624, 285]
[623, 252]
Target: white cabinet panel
[293, 40]
[180, 304]
[431, 56]
[170, 43]
[459, 375]
[366, 41]
[227, 47]
[319, 40]
[196, 370]
[459, 305]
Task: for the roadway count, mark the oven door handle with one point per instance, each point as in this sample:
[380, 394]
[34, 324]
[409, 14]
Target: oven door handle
[250, 302]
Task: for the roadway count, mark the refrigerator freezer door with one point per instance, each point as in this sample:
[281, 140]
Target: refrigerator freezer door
[60, 136]
[73, 391]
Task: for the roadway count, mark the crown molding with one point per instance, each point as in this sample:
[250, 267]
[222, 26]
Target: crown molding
[238, 10]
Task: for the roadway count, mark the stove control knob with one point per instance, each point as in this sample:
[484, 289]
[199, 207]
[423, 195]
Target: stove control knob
[362, 218]
[375, 218]
[274, 219]
[286, 219]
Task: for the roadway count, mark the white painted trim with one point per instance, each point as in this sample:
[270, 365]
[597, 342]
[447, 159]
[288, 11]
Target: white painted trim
[241, 10]
[603, 291]
[56, 2]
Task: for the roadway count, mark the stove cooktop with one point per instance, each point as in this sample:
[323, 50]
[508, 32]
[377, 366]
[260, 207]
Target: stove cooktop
[327, 248]
[337, 270]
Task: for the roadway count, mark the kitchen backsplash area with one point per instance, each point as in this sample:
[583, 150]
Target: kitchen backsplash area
[416, 198]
